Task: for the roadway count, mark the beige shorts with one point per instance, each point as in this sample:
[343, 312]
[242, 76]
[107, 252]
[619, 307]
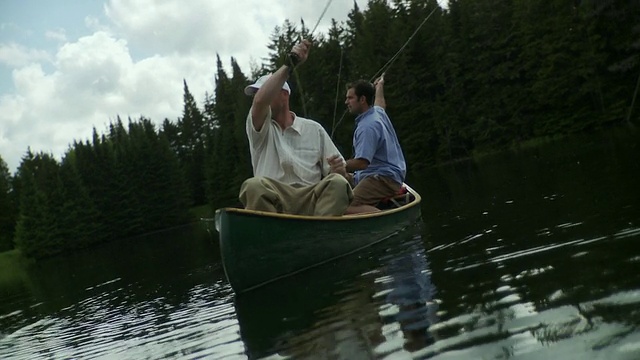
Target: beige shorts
[372, 189]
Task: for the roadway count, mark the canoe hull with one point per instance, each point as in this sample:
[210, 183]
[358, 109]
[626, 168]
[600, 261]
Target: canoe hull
[259, 247]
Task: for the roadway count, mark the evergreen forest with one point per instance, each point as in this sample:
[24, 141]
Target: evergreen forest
[477, 76]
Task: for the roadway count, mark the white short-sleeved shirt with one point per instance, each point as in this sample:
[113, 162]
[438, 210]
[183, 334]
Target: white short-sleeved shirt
[295, 156]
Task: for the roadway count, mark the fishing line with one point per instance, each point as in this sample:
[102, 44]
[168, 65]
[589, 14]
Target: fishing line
[633, 100]
[386, 66]
[321, 16]
[335, 106]
[295, 70]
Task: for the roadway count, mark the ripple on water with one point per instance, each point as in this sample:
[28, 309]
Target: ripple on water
[108, 324]
[583, 313]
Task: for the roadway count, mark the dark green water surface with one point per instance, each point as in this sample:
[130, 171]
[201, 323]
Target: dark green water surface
[528, 255]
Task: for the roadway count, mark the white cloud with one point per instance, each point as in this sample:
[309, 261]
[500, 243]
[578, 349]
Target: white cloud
[58, 35]
[94, 80]
[202, 26]
[134, 65]
[238, 28]
[16, 55]
[93, 23]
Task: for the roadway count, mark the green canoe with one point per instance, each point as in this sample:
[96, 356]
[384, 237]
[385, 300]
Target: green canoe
[260, 247]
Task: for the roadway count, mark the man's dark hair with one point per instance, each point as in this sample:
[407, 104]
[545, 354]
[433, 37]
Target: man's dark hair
[363, 88]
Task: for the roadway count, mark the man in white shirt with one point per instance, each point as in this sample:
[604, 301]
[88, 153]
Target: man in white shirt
[297, 169]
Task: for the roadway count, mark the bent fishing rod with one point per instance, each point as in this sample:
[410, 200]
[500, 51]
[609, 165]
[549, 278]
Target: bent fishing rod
[382, 70]
[293, 59]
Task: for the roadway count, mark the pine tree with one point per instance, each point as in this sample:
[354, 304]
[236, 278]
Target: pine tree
[79, 219]
[241, 106]
[225, 152]
[8, 210]
[39, 231]
[191, 150]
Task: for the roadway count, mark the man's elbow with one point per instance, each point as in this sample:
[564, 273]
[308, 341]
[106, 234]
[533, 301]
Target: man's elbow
[257, 118]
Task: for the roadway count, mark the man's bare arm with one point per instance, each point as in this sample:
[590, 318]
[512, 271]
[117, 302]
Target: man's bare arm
[265, 95]
[272, 87]
[357, 164]
[379, 98]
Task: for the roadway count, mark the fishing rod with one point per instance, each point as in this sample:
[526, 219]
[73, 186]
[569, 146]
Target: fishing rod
[633, 100]
[335, 106]
[384, 67]
[293, 59]
[321, 16]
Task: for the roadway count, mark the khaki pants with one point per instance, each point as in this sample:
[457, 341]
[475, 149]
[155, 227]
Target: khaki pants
[331, 196]
[372, 189]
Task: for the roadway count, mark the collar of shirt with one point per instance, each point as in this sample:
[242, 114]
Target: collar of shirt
[362, 115]
[296, 126]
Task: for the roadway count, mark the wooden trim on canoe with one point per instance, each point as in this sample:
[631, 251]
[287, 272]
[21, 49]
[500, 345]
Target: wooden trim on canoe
[415, 202]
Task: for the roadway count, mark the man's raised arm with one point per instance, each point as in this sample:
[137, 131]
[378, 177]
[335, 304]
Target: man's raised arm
[265, 95]
[273, 85]
[379, 97]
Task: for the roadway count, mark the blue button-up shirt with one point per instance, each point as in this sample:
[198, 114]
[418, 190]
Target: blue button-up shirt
[375, 140]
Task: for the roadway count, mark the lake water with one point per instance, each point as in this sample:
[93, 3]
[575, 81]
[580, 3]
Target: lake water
[528, 255]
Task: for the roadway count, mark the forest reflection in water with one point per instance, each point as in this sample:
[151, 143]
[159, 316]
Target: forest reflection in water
[349, 307]
[528, 255]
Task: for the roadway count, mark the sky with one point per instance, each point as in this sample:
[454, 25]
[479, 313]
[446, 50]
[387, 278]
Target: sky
[71, 65]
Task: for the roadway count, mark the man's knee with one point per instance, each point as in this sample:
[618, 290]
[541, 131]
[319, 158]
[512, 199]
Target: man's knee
[336, 180]
[360, 199]
[371, 190]
[257, 193]
[337, 184]
[251, 188]
[253, 184]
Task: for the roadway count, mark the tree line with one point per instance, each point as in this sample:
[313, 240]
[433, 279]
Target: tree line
[476, 76]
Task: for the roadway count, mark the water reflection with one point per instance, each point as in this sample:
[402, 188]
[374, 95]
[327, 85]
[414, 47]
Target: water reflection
[558, 301]
[109, 325]
[377, 302]
[530, 256]
[409, 306]
[566, 299]
[163, 295]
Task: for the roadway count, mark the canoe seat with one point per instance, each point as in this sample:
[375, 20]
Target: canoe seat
[403, 197]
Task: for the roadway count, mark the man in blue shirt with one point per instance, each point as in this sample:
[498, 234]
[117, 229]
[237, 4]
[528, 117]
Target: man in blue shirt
[378, 163]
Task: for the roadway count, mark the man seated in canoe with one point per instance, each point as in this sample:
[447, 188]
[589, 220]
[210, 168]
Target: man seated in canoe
[297, 168]
[378, 163]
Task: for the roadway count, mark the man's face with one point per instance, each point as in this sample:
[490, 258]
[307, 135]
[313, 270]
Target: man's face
[354, 104]
[279, 101]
